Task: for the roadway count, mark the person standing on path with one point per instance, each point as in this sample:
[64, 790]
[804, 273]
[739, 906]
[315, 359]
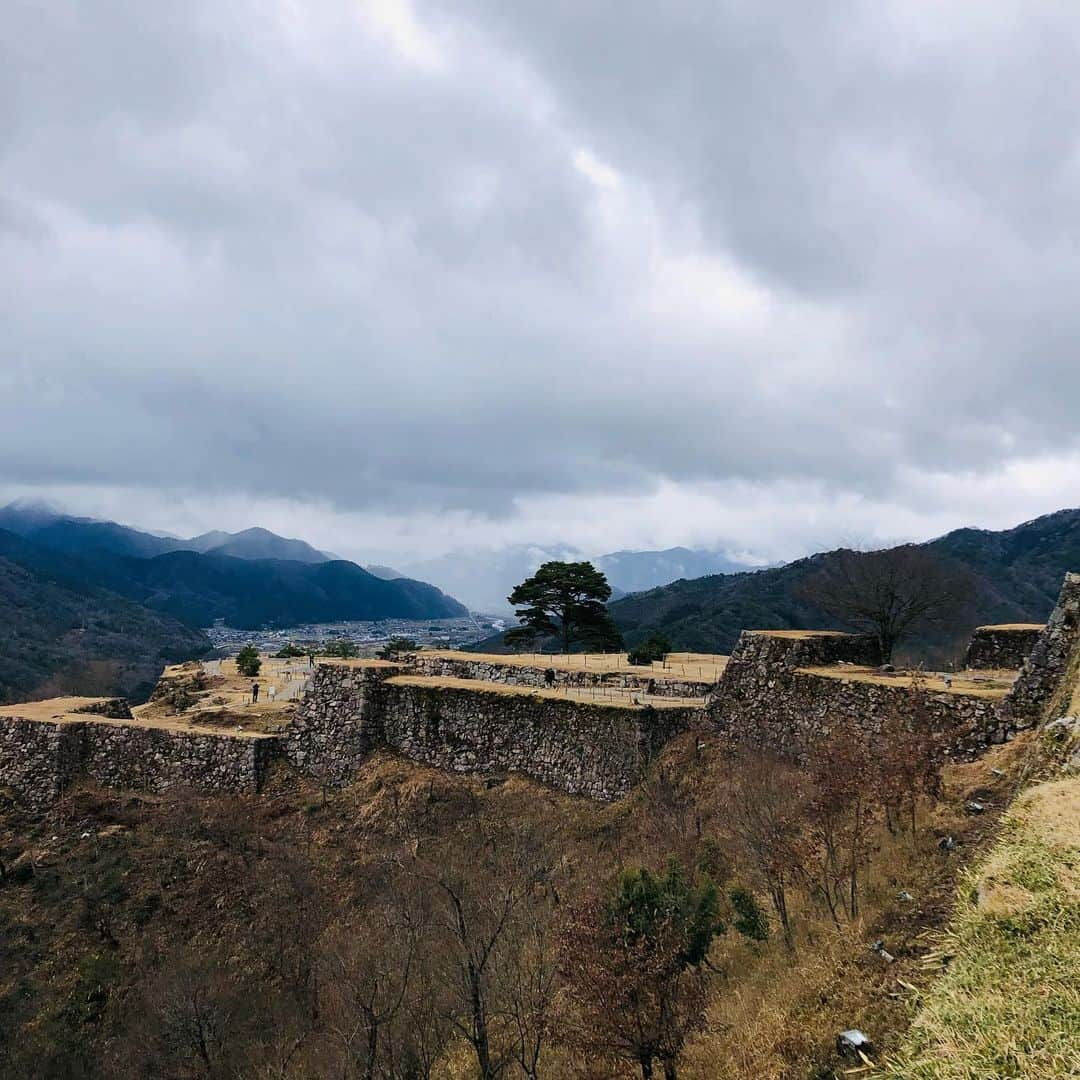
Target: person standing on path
[254, 693]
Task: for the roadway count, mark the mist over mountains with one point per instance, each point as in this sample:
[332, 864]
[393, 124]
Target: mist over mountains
[484, 579]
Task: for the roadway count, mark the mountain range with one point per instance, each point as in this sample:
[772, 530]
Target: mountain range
[248, 579]
[95, 607]
[1015, 576]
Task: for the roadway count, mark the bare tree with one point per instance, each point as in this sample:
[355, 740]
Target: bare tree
[526, 977]
[192, 1021]
[909, 756]
[477, 883]
[366, 967]
[840, 816]
[763, 805]
[891, 593]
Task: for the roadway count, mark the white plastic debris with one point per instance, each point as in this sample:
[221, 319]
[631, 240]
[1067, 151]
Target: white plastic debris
[879, 948]
[854, 1044]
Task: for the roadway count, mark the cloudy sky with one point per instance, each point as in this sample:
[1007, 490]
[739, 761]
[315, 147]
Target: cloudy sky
[405, 276]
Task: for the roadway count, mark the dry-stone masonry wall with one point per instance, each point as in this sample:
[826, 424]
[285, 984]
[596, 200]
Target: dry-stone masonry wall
[511, 674]
[581, 747]
[764, 697]
[339, 720]
[1001, 647]
[39, 759]
[156, 759]
[1051, 664]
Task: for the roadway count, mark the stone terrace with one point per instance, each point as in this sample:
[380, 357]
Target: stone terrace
[681, 676]
[46, 745]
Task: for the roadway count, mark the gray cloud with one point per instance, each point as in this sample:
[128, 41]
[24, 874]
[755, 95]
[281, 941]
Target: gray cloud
[376, 262]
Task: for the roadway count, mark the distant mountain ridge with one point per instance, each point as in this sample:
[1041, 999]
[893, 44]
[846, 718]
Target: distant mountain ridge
[248, 579]
[484, 579]
[64, 532]
[1017, 573]
[636, 571]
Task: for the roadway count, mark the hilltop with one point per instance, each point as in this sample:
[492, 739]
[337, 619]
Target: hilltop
[1016, 574]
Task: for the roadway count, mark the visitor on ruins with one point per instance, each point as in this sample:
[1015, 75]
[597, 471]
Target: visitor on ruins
[254, 692]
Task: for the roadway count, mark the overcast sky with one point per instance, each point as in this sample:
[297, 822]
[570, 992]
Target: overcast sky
[402, 277]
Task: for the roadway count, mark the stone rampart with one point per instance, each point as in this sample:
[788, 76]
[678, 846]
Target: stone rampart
[794, 710]
[1050, 667]
[596, 750]
[581, 747]
[338, 722]
[37, 758]
[768, 696]
[155, 759]
[649, 682]
[41, 756]
[1001, 647]
[776, 650]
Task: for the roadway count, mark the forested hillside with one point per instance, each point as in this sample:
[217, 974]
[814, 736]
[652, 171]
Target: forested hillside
[56, 638]
[249, 579]
[1015, 577]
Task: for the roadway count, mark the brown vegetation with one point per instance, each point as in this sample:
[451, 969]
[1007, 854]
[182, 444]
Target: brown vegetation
[419, 925]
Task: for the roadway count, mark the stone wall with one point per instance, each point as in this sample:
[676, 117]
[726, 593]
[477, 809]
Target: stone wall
[156, 759]
[1051, 665]
[794, 710]
[596, 750]
[510, 674]
[1001, 647]
[581, 747]
[338, 722]
[767, 698]
[38, 758]
[788, 649]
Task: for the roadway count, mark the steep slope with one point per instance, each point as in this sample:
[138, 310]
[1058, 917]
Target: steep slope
[1016, 576]
[247, 593]
[58, 636]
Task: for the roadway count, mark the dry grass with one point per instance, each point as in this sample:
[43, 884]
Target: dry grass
[992, 686]
[799, 635]
[1013, 626]
[60, 709]
[619, 699]
[225, 703]
[775, 1016]
[65, 711]
[1009, 1004]
[692, 667]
